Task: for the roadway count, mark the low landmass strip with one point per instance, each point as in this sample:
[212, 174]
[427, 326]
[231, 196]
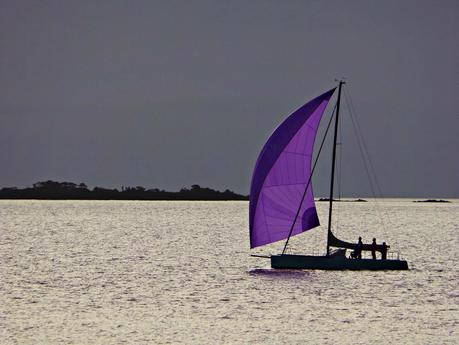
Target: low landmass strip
[432, 200]
[341, 200]
[51, 190]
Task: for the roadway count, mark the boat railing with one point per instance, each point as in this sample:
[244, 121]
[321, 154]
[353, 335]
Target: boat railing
[391, 255]
[307, 251]
[395, 255]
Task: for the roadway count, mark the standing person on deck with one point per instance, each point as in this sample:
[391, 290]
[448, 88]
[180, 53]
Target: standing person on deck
[373, 249]
[358, 249]
[384, 251]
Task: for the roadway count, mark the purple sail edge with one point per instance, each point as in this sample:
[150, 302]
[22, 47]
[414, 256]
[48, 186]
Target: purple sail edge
[280, 176]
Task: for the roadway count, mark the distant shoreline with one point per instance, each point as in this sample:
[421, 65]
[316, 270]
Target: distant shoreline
[342, 200]
[51, 190]
[433, 201]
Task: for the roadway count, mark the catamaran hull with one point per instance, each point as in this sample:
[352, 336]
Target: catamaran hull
[288, 261]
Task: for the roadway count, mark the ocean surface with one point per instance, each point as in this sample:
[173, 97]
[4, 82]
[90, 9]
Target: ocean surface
[136, 272]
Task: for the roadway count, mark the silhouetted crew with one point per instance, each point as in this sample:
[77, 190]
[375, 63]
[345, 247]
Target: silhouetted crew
[373, 249]
[359, 248]
[357, 253]
[384, 251]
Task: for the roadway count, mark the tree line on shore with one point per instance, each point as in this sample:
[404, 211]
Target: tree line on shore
[52, 190]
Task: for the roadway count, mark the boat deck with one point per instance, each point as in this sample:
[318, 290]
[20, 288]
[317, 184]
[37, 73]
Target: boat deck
[290, 261]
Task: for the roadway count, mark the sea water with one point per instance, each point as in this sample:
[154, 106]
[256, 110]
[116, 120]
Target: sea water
[152, 272]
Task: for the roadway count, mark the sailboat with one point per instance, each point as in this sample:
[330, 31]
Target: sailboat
[281, 197]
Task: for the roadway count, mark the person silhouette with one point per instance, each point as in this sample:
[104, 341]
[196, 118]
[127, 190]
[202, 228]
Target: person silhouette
[359, 248]
[357, 252]
[384, 251]
[373, 249]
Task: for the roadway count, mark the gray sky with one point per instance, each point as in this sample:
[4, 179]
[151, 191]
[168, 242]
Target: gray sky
[171, 93]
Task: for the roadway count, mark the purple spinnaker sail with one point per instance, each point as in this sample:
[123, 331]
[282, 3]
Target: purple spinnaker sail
[281, 174]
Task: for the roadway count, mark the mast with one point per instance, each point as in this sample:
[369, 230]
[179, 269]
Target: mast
[332, 178]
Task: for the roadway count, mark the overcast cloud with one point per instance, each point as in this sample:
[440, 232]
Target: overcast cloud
[171, 93]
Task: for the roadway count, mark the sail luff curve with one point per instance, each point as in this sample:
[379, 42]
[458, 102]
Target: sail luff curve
[280, 176]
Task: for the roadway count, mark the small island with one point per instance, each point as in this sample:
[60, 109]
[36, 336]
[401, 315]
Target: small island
[341, 200]
[52, 190]
[432, 200]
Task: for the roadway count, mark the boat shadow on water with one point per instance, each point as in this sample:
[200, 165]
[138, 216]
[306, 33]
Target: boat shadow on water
[275, 273]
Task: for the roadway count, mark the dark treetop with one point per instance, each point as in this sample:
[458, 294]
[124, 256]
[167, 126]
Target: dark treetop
[52, 190]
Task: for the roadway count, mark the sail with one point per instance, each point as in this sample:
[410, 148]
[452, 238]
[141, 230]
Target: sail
[281, 174]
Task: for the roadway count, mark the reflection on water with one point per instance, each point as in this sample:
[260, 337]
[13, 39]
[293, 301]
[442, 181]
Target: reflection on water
[281, 274]
[85, 272]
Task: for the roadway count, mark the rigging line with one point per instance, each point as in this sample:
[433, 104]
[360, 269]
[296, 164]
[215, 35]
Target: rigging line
[372, 169]
[339, 175]
[359, 144]
[340, 168]
[310, 178]
[380, 211]
[364, 154]
[340, 158]
[367, 156]
[365, 151]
